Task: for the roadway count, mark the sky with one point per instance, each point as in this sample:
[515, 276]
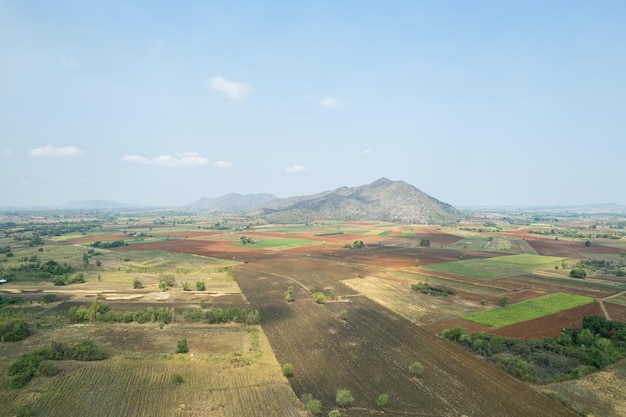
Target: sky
[475, 103]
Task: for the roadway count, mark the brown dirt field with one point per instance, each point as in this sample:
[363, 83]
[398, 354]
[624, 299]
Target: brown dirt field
[569, 249]
[616, 311]
[369, 353]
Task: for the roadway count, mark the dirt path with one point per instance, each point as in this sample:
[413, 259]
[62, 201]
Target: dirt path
[601, 302]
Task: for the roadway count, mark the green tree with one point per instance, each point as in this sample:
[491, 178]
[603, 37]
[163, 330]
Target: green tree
[319, 297]
[314, 407]
[344, 398]
[182, 347]
[186, 286]
[177, 379]
[382, 401]
[587, 243]
[578, 272]
[334, 413]
[425, 242]
[200, 286]
[416, 368]
[503, 301]
[137, 284]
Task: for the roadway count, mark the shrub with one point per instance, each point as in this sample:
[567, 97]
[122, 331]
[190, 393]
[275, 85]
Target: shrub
[200, 286]
[182, 347]
[416, 368]
[344, 398]
[578, 273]
[319, 297]
[382, 401]
[177, 379]
[49, 298]
[314, 407]
[343, 314]
[14, 330]
[334, 413]
[137, 284]
[287, 369]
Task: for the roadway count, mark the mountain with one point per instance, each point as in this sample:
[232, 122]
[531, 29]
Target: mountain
[382, 200]
[233, 202]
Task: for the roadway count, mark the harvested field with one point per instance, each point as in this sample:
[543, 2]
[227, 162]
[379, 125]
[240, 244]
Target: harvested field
[136, 381]
[569, 249]
[370, 351]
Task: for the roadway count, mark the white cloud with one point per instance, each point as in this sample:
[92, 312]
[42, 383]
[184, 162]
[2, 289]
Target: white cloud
[50, 150]
[295, 168]
[233, 89]
[185, 159]
[134, 158]
[329, 102]
[368, 152]
[222, 164]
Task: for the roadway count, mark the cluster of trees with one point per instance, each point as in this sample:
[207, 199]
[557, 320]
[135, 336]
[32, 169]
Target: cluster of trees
[35, 269]
[102, 312]
[343, 399]
[14, 330]
[108, 245]
[31, 364]
[426, 288]
[231, 314]
[577, 234]
[576, 352]
[247, 240]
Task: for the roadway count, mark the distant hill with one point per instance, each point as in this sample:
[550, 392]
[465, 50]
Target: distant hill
[382, 200]
[233, 202]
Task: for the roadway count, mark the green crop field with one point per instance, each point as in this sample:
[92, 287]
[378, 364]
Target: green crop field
[528, 310]
[279, 244]
[497, 267]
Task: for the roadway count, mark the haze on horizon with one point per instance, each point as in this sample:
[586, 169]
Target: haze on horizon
[155, 103]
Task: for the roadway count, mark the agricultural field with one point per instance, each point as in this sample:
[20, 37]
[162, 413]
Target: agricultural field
[528, 310]
[342, 317]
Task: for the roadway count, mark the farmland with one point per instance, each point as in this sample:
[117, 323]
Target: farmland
[363, 336]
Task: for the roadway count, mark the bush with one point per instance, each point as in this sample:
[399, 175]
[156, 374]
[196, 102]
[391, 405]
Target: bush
[287, 369]
[416, 368]
[319, 297]
[177, 379]
[14, 330]
[137, 284]
[49, 298]
[344, 398]
[200, 286]
[182, 347]
[343, 314]
[314, 407]
[382, 401]
[334, 413]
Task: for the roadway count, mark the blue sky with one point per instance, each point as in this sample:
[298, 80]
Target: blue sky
[154, 102]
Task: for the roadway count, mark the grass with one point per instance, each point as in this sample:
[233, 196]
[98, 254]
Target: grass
[498, 267]
[528, 310]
